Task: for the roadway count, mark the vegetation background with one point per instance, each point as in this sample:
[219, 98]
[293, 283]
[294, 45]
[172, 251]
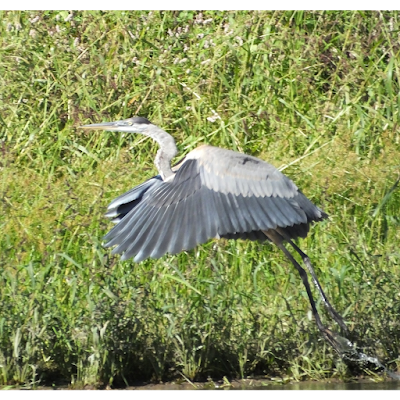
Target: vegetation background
[314, 93]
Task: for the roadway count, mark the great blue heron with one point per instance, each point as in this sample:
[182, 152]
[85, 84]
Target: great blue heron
[211, 193]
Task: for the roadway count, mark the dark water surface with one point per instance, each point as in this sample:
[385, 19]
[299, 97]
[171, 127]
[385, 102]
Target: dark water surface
[365, 385]
[246, 384]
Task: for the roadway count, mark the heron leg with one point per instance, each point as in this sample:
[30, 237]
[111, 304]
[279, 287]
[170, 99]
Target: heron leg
[331, 337]
[334, 314]
[341, 344]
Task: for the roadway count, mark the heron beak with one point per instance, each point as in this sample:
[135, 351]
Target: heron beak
[106, 126]
[130, 125]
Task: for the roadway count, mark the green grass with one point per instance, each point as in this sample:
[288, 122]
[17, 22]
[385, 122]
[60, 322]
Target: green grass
[315, 92]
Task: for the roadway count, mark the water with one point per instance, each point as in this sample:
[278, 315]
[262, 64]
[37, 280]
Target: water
[256, 384]
[361, 385]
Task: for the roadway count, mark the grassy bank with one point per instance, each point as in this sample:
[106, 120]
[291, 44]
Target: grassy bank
[315, 93]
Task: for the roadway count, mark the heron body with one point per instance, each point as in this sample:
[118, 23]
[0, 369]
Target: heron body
[211, 193]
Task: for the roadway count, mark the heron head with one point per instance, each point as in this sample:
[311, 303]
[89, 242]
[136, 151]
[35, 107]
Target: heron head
[132, 125]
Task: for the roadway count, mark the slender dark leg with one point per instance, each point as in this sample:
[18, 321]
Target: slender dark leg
[328, 335]
[334, 314]
[339, 343]
[304, 278]
[342, 345]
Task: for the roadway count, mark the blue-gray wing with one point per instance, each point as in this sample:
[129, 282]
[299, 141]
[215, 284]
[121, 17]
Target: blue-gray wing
[215, 193]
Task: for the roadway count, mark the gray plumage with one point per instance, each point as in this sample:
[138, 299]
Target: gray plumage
[209, 196]
[211, 193]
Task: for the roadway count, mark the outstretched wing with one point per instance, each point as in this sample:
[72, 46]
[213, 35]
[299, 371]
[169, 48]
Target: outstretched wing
[215, 193]
[123, 204]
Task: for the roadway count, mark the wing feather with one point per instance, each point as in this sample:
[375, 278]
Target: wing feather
[192, 221]
[268, 218]
[142, 249]
[249, 223]
[235, 203]
[133, 232]
[166, 232]
[290, 215]
[230, 171]
[134, 219]
[187, 224]
[134, 193]
[222, 210]
[209, 214]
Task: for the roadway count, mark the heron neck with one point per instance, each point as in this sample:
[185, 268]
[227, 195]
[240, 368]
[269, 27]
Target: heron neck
[166, 152]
